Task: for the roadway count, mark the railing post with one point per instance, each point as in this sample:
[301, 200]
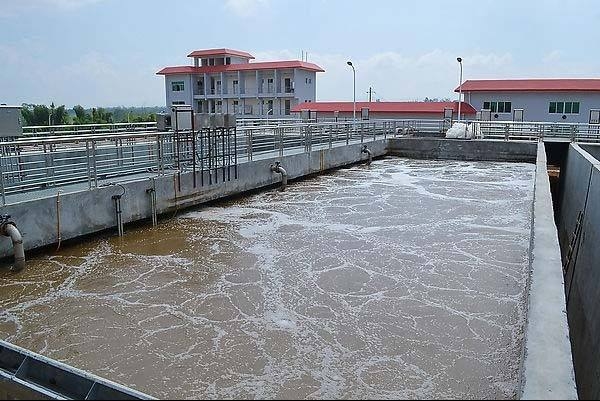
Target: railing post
[94, 165]
[506, 131]
[2, 177]
[347, 133]
[159, 155]
[249, 139]
[89, 167]
[280, 132]
[573, 133]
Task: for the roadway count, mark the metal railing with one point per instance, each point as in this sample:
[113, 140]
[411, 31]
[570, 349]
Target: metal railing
[32, 165]
[93, 159]
[535, 131]
[83, 129]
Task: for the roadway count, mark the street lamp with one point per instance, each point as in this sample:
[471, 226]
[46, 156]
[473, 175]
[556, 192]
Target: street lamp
[459, 86]
[354, 102]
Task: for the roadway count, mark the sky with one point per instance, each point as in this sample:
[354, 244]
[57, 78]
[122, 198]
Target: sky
[107, 52]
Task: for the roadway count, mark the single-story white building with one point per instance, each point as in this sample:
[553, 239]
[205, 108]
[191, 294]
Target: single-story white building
[554, 100]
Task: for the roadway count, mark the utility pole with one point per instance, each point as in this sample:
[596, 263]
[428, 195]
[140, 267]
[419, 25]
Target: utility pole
[370, 94]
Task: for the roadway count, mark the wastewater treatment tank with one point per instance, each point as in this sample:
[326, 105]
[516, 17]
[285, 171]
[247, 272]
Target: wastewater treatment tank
[403, 279]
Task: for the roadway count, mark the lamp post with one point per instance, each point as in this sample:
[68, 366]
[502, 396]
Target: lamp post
[459, 86]
[354, 80]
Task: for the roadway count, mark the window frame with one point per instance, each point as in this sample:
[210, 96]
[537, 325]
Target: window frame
[498, 107]
[177, 86]
[563, 108]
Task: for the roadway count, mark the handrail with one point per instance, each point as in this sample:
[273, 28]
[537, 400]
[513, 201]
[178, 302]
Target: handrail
[30, 164]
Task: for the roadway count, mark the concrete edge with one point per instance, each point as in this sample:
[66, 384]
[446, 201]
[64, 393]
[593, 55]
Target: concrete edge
[588, 156]
[547, 371]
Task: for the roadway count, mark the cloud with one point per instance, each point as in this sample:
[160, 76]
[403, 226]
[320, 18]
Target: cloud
[246, 8]
[552, 57]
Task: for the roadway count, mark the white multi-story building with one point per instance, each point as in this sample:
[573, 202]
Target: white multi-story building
[225, 81]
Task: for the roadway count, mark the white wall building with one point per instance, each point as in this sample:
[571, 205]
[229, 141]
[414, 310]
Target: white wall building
[554, 100]
[225, 81]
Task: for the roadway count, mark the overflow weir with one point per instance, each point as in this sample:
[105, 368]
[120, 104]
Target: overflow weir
[522, 289]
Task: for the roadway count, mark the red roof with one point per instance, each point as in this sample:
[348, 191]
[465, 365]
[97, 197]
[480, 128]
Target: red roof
[272, 65]
[386, 107]
[220, 52]
[531, 85]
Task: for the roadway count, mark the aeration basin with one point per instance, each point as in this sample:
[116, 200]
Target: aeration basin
[402, 279]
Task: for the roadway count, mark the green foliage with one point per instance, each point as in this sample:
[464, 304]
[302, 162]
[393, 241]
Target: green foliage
[35, 114]
[81, 117]
[39, 114]
[60, 116]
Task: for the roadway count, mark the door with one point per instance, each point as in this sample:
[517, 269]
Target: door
[518, 115]
[594, 116]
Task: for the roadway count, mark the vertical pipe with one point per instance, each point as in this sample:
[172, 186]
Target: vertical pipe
[201, 134]
[193, 146]
[58, 230]
[2, 180]
[459, 59]
[235, 156]
[223, 154]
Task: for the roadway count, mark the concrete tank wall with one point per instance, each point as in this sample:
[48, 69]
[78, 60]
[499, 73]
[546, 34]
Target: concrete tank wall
[581, 197]
[421, 148]
[90, 211]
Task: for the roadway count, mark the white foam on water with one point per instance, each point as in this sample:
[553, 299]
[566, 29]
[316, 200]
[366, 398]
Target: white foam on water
[370, 282]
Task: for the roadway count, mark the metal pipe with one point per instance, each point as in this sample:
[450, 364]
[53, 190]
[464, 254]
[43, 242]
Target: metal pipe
[276, 168]
[9, 229]
[152, 192]
[459, 86]
[368, 152]
[58, 235]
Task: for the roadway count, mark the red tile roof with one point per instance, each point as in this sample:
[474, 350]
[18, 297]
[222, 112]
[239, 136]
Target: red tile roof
[531, 85]
[272, 65]
[220, 52]
[386, 107]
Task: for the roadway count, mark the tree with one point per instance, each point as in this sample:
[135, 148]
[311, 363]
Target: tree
[81, 117]
[35, 114]
[60, 116]
[101, 116]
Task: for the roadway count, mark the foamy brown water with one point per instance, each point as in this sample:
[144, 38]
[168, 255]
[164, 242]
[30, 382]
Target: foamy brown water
[405, 279]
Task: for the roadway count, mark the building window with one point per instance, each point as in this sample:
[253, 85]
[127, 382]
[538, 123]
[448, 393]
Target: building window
[177, 103]
[219, 106]
[177, 86]
[498, 107]
[228, 60]
[563, 108]
[236, 106]
[288, 85]
[288, 107]
[270, 85]
[235, 86]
